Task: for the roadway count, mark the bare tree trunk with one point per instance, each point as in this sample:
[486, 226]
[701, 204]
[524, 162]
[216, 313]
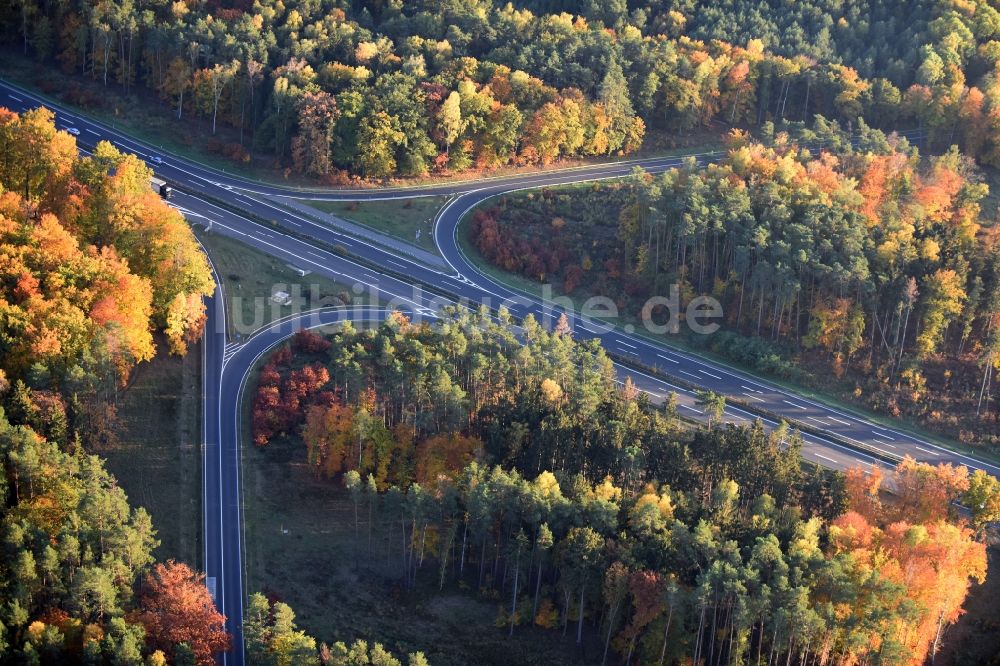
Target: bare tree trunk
[513, 601]
[666, 633]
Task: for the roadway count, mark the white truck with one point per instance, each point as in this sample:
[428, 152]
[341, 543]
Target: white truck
[160, 187]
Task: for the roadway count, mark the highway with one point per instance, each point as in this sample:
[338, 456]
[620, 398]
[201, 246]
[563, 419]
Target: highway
[233, 207]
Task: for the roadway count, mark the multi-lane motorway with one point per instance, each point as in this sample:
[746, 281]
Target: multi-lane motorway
[233, 205]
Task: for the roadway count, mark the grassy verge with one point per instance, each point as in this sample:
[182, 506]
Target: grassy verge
[399, 218]
[627, 321]
[158, 458]
[251, 278]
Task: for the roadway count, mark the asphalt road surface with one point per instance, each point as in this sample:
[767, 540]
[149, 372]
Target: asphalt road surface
[234, 206]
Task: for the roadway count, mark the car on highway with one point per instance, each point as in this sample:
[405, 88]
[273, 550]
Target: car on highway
[156, 159]
[74, 131]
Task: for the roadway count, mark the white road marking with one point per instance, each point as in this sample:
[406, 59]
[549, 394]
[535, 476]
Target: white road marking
[315, 254]
[813, 418]
[693, 409]
[667, 358]
[16, 99]
[293, 222]
[92, 131]
[705, 372]
[625, 344]
[834, 418]
[689, 374]
[878, 434]
[820, 455]
[743, 386]
[395, 263]
[794, 405]
[919, 448]
[753, 397]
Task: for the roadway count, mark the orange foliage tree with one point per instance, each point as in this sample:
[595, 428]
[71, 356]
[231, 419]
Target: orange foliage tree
[914, 541]
[176, 608]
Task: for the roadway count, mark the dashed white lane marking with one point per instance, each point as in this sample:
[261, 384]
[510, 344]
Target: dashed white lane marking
[878, 434]
[834, 418]
[689, 374]
[193, 182]
[293, 222]
[744, 386]
[933, 453]
[625, 344]
[753, 397]
[394, 263]
[315, 254]
[15, 98]
[667, 358]
[693, 409]
[92, 131]
[820, 455]
[819, 421]
[788, 402]
[705, 372]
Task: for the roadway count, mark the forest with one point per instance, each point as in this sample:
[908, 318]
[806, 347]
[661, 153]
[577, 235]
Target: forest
[91, 264]
[334, 89]
[523, 473]
[864, 261]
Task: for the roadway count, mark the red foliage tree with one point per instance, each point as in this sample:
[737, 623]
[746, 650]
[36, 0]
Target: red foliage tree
[307, 342]
[175, 608]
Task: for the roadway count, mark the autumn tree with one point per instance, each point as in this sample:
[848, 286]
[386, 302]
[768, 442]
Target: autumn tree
[982, 497]
[272, 636]
[177, 82]
[317, 121]
[450, 119]
[943, 296]
[175, 608]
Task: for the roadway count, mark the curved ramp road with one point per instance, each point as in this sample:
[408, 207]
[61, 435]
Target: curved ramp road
[207, 196]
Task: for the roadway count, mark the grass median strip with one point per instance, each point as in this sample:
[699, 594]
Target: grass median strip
[408, 220]
[157, 456]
